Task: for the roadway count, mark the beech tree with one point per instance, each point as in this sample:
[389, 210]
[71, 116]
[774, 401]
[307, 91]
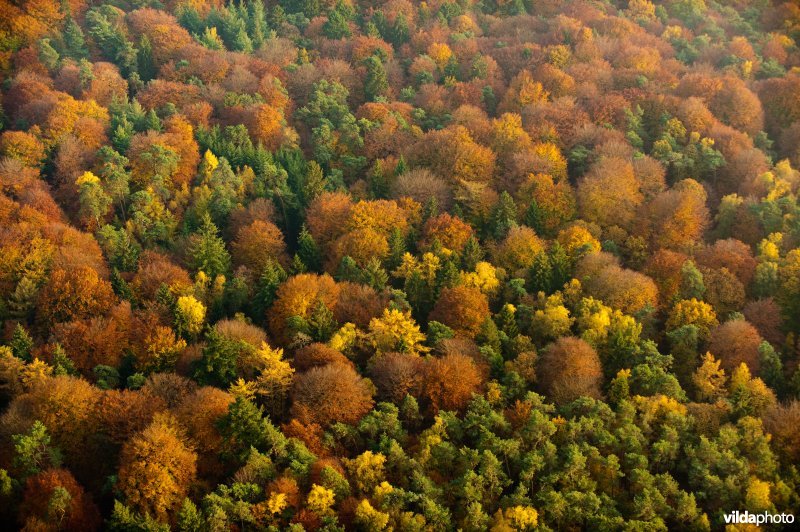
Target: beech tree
[569, 368]
[157, 468]
[330, 394]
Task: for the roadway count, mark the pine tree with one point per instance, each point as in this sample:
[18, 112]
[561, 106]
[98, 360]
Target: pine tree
[61, 363]
[308, 251]
[374, 275]
[489, 335]
[507, 321]
[242, 42]
[21, 343]
[371, 30]
[266, 287]
[348, 270]
[337, 26]
[297, 266]
[430, 210]
[472, 254]
[504, 217]
[400, 32]
[561, 266]
[447, 276]
[397, 248]
[121, 286]
[375, 83]
[771, 367]
[257, 23]
[189, 517]
[74, 41]
[144, 58]
[22, 302]
[535, 217]
[207, 251]
[321, 324]
[48, 55]
[152, 122]
[692, 285]
[401, 167]
[314, 182]
[540, 275]
[378, 182]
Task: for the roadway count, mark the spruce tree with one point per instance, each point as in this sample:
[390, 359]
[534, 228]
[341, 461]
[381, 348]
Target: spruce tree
[504, 217]
[308, 251]
[207, 251]
[21, 343]
[375, 83]
[74, 41]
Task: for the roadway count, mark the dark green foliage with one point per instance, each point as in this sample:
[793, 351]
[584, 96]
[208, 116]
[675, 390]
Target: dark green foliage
[21, 343]
[207, 251]
[375, 84]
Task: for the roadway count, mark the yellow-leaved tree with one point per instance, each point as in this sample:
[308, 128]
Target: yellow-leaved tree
[157, 467]
[396, 331]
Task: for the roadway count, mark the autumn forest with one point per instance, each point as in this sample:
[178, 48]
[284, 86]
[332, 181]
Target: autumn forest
[400, 265]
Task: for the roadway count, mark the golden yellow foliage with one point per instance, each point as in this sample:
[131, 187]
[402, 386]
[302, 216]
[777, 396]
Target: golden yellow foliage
[396, 331]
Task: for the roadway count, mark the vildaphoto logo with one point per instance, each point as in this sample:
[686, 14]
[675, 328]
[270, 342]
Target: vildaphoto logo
[764, 518]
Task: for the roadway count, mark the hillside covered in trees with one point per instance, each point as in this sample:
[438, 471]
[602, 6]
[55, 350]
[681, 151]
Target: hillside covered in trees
[397, 265]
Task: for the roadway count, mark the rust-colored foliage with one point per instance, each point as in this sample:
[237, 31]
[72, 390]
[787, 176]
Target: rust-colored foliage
[258, 244]
[156, 468]
[462, 308]
[569, 368]
[449, 382]
[74, 294]
[396, 375]
[79, 513]
[317, 355]
[735, 342]
[330, 394]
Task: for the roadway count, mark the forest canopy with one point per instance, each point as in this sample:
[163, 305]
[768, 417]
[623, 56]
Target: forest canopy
[394, 265]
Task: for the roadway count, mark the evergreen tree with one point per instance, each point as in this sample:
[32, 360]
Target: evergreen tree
[297, 266]
[375, 83]
[144, 57]
[207, 251]
[397, 248]
[337, 26]
[74, 41]
[321, 324]
[400, 32]
[314, 183]
[348, 270]
[152, 122]
[22, 301]
[257, 23]
[431, 209]
[561, 266]
[21, 343]
[242, 42]
[61, 363]
[540, 275]
[189, 518]
[504, 217]
[692, 285]
[266, 287]
[48, 55]
[374, 275]
[771, 367]
[121, 286]
[308, 251]
[534, 217]
[471, 255]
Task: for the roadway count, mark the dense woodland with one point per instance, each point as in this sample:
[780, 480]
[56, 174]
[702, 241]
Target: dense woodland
[395, 265]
